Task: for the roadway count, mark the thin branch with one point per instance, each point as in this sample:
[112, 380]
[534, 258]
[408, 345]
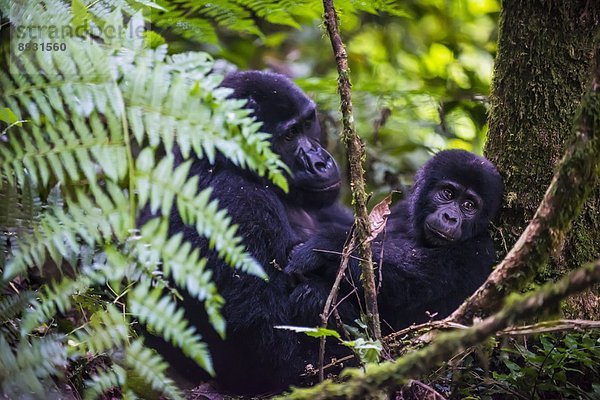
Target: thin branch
[331, 299]
[390, 375]
[356, 155]
[334, 363]
[385, 113]
[562, 203]
[398, 342]
[560, 325]
[337, 253]
[434, 395]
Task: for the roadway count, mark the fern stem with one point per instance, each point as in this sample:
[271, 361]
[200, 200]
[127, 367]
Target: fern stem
[123, 293]
[130, 163]
[19, 91]
[36, 153]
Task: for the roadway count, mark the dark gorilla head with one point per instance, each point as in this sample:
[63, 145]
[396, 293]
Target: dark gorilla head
[454, 197]
[291, 118]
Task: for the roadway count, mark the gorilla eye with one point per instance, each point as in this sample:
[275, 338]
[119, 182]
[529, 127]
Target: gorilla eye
[447, 194]
[468, 206]
[292, 132]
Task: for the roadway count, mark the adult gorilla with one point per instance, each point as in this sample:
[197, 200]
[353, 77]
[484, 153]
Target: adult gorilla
[256, 358]
[437, 249]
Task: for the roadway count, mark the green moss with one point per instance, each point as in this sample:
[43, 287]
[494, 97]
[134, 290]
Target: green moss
[541, 72]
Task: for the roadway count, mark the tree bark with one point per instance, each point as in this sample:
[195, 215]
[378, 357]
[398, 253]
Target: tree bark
[563, 202]
[542, 69]
[356, 156]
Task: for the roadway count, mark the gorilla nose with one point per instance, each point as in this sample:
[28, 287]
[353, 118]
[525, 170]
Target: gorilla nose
[320, 166]
[450, 218]
[317, 161]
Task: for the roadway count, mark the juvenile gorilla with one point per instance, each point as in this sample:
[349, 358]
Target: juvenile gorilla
[436, 250]
[256, 358]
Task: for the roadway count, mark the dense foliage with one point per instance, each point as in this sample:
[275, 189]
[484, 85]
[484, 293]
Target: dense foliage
[79, 161]
[549, 366]
[421, 70]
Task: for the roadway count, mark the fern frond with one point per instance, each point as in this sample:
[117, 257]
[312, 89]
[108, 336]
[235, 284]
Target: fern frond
[50, 236]
[19, 207]
[27, 367]
[100, 9]
[392, 7]
[15, 304]
[283, 12]
[151, 367]
[79, 107]
[61, 233]
[197, 29]
[73, 113]
[56, 297]
[199, 20]
[51, 12]
[59, 13]
[160, 314]
[176, 100]
[107, 329]
[228, 14]
[163, 184]
[181, 261]
[19, 211]
[103, 381]
[201, 26]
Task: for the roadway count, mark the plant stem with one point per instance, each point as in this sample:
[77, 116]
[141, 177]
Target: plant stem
[356, 156]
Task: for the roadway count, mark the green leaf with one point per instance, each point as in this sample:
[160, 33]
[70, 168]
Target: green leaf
[163, 316]
[107, 329]
[153, 39]
[150, 366]
[103, 381]
[8, 116]
[367, 350]
[312, 332]
[81, 16]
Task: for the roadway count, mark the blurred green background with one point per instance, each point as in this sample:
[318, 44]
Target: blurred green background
[420, 70]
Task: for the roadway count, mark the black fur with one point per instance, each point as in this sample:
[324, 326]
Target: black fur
[436, 248]
[255, 358]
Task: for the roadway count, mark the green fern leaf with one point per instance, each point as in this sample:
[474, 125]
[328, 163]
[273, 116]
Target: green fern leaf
[13, 305]
[162, 316]
[103, 381]
[27, 368]
[61, 233]
[149, 366]
[107, 329]
[176, 100]
[59, 96]
[56, 297]
[179, 260]
[164, 185]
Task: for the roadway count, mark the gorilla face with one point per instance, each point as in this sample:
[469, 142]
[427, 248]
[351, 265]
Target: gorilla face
[455, 195]
[314, 171]
[455, 208]
[291, 118]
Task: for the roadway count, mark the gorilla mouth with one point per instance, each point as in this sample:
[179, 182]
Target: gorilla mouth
[438, 234]
[333, 186]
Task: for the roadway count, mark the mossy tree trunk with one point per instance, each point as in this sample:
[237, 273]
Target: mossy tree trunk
[541, 72]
